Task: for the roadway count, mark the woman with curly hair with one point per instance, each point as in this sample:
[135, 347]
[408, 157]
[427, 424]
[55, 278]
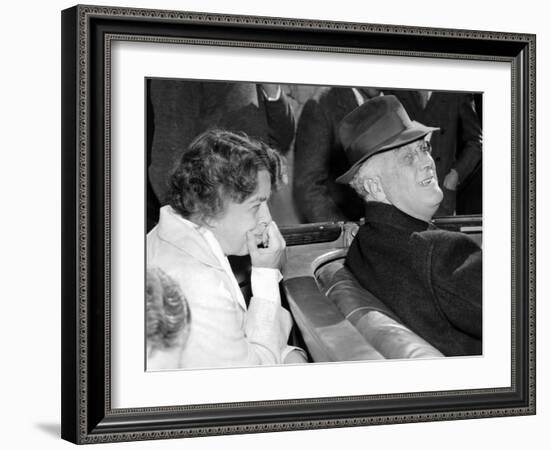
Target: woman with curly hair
[218, 207]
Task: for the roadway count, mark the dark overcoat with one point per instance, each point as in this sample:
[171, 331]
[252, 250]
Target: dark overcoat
[430, 278]
[319, 159]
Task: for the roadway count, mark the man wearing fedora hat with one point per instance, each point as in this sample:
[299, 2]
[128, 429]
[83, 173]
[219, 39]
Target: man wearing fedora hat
[430, 278]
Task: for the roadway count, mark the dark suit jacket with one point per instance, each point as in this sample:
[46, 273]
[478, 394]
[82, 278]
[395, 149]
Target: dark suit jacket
[319, 159]
[430, 278]
[182, 109]
[458, 144]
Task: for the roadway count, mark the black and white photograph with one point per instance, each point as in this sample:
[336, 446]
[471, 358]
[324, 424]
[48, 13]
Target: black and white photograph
[276, 224]
[298, 224]
[214, 215]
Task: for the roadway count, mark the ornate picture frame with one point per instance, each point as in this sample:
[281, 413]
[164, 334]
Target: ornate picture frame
[88, 415]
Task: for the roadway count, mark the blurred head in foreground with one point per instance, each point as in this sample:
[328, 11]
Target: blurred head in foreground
[167, 321]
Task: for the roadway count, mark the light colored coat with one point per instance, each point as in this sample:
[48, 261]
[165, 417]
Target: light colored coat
[223, 332]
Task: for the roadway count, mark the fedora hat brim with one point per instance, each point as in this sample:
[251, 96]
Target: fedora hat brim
[415, 132]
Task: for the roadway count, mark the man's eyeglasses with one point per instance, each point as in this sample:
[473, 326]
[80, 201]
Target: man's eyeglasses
[413, 150]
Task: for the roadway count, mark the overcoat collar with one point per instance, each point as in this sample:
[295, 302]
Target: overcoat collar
[185, 236]
[385, 214]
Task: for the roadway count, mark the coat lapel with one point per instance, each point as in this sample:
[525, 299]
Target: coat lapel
[189, 240]
[185, 237]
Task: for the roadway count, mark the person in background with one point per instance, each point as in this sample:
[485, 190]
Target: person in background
[218, 207]
[430, 278]
[319, 157]
[456, 148]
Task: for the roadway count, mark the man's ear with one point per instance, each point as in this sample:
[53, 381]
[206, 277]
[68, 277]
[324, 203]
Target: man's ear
[374, 187]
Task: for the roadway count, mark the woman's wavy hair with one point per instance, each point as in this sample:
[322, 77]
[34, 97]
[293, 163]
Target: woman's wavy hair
[220, 165]
[167, 311]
